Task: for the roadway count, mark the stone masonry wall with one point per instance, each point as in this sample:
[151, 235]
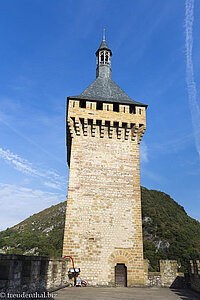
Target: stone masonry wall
[167, 277]
[20, 273]
[29, 274]
[168, 271]
[103, 219]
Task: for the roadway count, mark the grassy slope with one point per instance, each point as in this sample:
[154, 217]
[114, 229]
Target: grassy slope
[169, 233]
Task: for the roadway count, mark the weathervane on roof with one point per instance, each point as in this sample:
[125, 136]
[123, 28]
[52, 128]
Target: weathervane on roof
[104, 34]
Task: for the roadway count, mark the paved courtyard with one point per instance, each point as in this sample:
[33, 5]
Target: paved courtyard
[125, 293]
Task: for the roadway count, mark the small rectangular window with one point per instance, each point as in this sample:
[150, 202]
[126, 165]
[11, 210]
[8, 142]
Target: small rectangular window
[116, 107]
[99, 106]
[83, 104]
[132, 109]
[107, 107]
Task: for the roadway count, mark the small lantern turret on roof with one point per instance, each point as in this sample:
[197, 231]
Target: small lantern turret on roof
[104, 89]
[103, 59]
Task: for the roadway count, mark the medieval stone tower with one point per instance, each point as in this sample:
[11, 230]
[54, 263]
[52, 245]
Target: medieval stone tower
[103, 228]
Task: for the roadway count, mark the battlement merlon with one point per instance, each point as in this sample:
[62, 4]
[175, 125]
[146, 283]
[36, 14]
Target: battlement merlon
[88, 119]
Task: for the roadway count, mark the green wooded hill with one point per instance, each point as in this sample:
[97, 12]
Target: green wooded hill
[168, 232]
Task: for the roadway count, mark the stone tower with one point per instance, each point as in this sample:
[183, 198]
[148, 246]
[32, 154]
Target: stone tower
[103, 227]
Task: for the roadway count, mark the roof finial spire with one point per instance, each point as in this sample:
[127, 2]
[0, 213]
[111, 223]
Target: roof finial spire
[104, 34]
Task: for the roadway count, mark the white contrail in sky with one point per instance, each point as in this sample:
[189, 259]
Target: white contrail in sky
[49, 177]
[191, 85]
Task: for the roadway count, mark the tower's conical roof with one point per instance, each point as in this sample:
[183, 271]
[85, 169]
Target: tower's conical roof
[104, 46]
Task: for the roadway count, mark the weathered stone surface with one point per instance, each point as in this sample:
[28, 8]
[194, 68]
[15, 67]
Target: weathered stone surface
[168, 270]
[32, 273]
[103, 219]
[167, 277]
[37, 274]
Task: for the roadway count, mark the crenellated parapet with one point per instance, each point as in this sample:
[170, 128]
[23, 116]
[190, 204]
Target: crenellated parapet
[106, 120]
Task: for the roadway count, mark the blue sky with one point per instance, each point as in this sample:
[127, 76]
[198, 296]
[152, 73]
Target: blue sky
[48, 53]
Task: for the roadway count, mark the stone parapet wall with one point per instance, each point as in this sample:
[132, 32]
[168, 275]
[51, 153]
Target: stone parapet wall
[194, 275]
[105, 123]
[20, 273]
[167, 277]
[154, 279]
[168, 271]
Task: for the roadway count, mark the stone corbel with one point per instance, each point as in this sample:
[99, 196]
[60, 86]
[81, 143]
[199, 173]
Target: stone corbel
[110, 132]
[93, 128]
[141, 132]
[77, 124]
[85, 127]
[134, 131]
[119, 131]
[127, 131]
[71, 127]
[102, 128]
